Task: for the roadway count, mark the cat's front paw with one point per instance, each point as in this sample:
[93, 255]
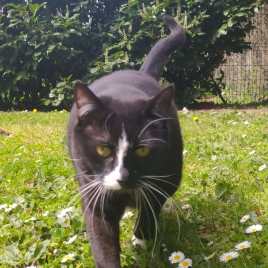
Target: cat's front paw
[138, 241]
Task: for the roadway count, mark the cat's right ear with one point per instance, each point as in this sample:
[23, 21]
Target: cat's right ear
[86, 101]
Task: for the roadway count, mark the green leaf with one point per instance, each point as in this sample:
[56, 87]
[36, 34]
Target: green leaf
[38, 53]
[47, 102]
[38, 252]
[32, 8]
[128, 46]
[131, 4]
[60, 84]
[220, 189]
[240, 14]
[77, 8]
[230, 22]
[94, 70]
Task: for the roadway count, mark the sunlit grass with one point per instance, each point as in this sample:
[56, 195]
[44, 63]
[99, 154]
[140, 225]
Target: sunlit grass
[221, 182]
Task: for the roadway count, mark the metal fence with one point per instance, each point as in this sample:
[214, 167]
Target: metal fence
[246, 75]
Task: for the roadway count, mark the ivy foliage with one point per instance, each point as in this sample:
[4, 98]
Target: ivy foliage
[45, 46]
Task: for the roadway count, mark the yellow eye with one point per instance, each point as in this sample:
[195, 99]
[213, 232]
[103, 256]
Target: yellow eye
[143, 151]
[103, 151]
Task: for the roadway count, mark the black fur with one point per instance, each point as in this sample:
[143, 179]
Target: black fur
[136, 101]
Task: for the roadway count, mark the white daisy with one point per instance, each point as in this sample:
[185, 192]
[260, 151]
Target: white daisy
[67, 257]
[31, 266]
[252, 152]
[46, 213]
[128, 215]
[243, 245]
[186, 263]
[10, 207]
[244, 135]
[185, 110]
[187, 206]
[228, 256]
[71, 240]
[210, 256]
[176, 257]
[64, 212]
[246, 122]
[244, 218]
[168, 205]
[262, 167]
[214, 157]
[253, 228]
[210, 243]
[3, 206]
[31, 219]
[184, 151]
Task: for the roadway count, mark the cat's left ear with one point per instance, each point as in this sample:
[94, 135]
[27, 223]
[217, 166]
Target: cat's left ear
[86, 101]
[160, 104]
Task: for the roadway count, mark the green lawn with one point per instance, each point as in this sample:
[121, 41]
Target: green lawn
[221, 182]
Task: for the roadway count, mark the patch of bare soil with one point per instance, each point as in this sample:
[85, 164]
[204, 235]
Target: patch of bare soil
[210, 107]
[3, 132]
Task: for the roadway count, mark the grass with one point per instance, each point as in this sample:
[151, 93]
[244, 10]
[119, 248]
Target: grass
[37, 175]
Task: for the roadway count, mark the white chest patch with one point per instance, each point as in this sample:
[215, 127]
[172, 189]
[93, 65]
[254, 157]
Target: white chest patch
[111, 180]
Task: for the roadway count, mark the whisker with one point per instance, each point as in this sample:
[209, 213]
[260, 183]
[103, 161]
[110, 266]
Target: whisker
[155, 220]
[153, 139]
[94, 206]
[156, 176]
[94, 194]
[86, 187]
[138, 206]
[163, 181]
[160, 208]
[74, 159]
[167, 196]
[160, 119]
[105, 124]
[80, 172]
[160, 191]
[102, 205]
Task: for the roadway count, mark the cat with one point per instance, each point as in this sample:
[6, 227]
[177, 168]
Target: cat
[124, 139]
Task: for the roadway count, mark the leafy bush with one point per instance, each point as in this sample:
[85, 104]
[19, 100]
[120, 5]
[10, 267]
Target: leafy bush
[43, 44]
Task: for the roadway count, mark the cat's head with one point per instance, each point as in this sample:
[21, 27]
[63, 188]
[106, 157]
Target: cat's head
[121, 143]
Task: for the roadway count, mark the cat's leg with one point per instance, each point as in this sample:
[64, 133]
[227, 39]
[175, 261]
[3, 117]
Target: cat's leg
[104, 238]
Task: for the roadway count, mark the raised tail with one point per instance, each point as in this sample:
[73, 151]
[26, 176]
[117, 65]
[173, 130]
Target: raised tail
[159, 54]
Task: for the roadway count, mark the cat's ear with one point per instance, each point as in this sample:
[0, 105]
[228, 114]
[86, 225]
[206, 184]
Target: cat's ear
[160, 104]
[86, 101]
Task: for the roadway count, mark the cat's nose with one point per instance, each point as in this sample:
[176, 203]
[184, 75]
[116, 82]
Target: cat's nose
[124, 176]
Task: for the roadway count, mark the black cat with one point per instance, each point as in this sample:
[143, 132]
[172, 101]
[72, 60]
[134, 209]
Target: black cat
[125, 142]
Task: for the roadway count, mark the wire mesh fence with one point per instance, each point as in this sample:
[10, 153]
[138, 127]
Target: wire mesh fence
[246, 75]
